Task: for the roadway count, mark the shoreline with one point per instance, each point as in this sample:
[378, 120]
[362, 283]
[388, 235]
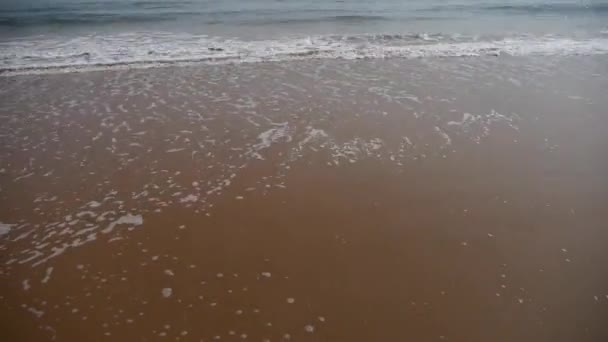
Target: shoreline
[126, 52]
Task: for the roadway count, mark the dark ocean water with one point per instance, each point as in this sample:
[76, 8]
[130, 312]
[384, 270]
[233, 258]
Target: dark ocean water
[42, 16]
[43, 34]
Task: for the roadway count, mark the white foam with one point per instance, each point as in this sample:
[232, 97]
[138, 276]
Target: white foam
[312, 134]
[375, 144]
[189, 198]
[23, 176]
[56, 252]
[47, 275]
[94, 204]
[466, 118]
[167, 292]
[36, 312]
[5, 228]
[133, 220]
[270, 136]
[446, 138]
[156, 49]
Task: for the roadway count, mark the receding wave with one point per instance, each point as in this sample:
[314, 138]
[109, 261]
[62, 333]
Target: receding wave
[145, 50]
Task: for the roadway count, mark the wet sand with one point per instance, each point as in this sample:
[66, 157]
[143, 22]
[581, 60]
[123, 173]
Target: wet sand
[386, 200]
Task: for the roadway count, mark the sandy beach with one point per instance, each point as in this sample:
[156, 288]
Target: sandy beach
[320, 200]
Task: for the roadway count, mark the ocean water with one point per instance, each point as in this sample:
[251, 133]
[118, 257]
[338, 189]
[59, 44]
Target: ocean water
[50, 36]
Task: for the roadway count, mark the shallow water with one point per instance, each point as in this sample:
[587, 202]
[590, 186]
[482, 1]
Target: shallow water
[372, 200]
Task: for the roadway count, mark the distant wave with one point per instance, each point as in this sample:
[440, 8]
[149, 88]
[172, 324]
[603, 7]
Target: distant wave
[161, 4]
[213, 12]
[357, 17]
[145, 50]
[84, 6]
[85, 19]
[262, 17]
[229, 17]
[547, 8]
[314, 19]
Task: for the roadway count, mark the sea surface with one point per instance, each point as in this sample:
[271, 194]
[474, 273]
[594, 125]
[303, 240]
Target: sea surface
[65, 35]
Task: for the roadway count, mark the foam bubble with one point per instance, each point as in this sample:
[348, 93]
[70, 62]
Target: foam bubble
[5, 228]
[133, 220]
[167, 292]
[47, 275]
